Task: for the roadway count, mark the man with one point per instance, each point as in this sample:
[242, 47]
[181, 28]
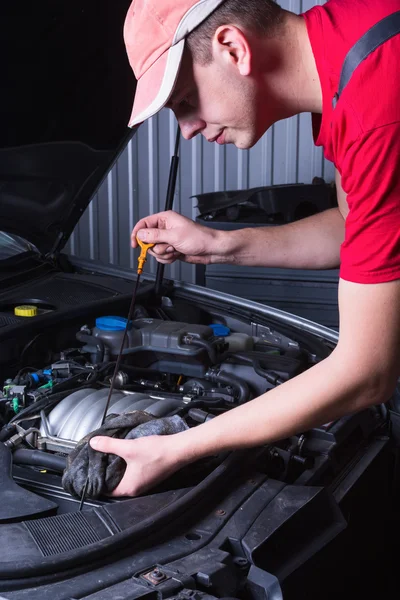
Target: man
[229, 70]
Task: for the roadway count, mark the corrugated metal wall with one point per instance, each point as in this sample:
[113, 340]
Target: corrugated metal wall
[137, 185]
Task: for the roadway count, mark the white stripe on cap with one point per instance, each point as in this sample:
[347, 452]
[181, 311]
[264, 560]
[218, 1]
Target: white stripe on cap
[194, 16]
[167, 85]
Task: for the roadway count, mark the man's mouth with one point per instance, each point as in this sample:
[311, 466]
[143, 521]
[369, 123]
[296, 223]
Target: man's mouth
[221, 138]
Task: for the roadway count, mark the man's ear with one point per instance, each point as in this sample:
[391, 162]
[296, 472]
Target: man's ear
[230, 46]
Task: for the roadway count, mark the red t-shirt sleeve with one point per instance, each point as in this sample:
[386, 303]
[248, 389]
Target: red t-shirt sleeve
[370, 169]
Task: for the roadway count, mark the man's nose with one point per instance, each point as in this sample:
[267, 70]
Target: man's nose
[191, 127]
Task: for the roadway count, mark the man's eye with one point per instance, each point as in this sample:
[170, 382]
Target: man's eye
[184, 103]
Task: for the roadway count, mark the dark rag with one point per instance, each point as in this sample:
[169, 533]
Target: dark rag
[105, 471]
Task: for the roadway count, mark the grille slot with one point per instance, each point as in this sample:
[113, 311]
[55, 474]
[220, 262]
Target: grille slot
[56, 535]
[8, 320]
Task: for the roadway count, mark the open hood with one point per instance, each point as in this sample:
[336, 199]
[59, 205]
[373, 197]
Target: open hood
[67, 93]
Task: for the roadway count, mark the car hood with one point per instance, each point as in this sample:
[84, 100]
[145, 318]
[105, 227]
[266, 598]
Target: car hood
[67, 92]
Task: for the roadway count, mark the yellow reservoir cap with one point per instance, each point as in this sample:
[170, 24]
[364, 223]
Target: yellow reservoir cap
[25, 310]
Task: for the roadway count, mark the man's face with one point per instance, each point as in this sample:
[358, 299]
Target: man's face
[221, 104]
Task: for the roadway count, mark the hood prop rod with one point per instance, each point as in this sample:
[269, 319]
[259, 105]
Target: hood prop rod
[169, 201]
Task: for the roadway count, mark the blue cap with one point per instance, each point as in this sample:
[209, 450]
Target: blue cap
[220, 330]
[111, 323]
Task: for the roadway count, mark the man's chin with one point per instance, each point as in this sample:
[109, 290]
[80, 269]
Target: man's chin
[245, 143]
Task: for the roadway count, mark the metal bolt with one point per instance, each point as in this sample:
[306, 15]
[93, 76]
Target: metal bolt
[157, 574]
[155, 577]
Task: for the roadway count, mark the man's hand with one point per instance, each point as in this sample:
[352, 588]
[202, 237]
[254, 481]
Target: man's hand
[149, 460]
[177, 237]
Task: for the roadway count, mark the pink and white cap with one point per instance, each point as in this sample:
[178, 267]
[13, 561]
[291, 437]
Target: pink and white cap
[154, 34]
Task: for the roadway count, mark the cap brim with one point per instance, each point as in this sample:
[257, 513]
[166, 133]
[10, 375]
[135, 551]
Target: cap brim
[155, 87]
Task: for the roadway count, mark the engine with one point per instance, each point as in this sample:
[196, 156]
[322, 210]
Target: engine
[168, 367]
[196, 370]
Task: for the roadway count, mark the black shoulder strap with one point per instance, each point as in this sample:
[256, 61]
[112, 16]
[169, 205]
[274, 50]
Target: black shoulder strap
[378, 34]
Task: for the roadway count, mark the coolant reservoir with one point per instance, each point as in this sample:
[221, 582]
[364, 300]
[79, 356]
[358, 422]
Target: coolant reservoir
[110, 330]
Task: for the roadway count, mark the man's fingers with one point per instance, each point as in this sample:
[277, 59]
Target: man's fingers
[163, 249]
[157, 221]
[126, 486]
[120, 490]
[148, 222]
[154, 252]
[156, 236]
[142, 224]
[110, 445]
[168, 258]
[166, 261]
[159, 250]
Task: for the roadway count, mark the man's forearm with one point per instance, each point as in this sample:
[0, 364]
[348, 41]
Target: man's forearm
[317, 396]
[311, 243]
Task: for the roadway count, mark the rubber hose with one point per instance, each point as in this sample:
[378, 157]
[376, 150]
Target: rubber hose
[207, 346]
[6, 432]
[23, 456]
[240, 387]
[92, 341]
[201, 416]
[270, 376]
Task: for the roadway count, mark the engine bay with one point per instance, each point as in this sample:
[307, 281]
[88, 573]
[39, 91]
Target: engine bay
[197, 368]
[190, 356]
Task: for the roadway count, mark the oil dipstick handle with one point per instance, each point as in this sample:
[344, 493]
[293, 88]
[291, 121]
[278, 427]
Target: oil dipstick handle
[143, 255]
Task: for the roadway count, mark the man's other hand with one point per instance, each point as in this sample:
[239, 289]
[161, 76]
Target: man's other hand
[149, 460]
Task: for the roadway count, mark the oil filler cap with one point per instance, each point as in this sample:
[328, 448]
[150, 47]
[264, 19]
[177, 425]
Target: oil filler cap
[25, 310]
[220, 330]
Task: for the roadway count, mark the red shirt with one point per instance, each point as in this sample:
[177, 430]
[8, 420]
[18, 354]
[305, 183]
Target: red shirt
[361, 136]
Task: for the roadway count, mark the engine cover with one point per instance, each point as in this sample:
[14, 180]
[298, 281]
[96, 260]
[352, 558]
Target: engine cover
[81, 412]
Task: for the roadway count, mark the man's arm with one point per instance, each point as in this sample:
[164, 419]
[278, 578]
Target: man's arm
[360, 372]
[311, 243]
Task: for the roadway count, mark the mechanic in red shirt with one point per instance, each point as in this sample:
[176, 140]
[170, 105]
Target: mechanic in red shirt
[229, 70]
